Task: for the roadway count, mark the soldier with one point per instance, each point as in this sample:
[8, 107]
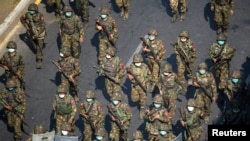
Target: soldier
[33, 21]
[120, 118]
[113, 71]
[13, 64]
[174, 5]
[157, 114]
[92, 112]
[123, 5]
[57, 4]
[64, 107]
[185, 56]
[39, 129]
[166, 133]
[169, 86]
[71, 31]
[67, 130]
[107, 29]
[70, 70]
[222, 10]
[139, 75]
[137, 136]
[191, 121]
[206, 90]
[154, 51]
[13, 100]
[221, 54]
[83, 7]
[100, 134]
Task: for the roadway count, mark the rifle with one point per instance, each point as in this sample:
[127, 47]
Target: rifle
[31, 26]
[117, 120]
[88, 119]
[205, 90]
[184, 117]
[112, 41]
[218, 60]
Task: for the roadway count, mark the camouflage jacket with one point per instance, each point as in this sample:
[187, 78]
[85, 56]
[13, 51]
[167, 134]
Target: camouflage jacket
[142, 73]
[169, 82]
[70, 66]
[228, 52]
[230, 3]
[237, 90]
[192, 119]
[187, 48]
[16, 63]
[110, 25]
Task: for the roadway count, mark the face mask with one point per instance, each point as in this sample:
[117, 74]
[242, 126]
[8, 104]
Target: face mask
[61, 95]
[11, 50]
[156, 105]
[103, 16]
[151, 38]
[163, 132]
[10, 89]
[65, 133]
[108, 56]
[115, 102]
[220, 42]
[138, 64]
[183, 39]
[99, 138]
[89, 99]
[68, 14]
[190, 109]
[61, 54]
[202, 72]
[166, 73]
[32, 12]
[235, 80]
[236, 110]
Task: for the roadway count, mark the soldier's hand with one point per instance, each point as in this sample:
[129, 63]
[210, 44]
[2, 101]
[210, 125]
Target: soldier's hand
[213, 98]
[112, 118]
[99, 28]
[70, 121]
[6, 68]
[212, 8]
[8, 107]
[81, 39]
[177, 53]
[22, 117]
[111, 36]
[156, 116]
[214, 60]
[231, 12]
[182, 123]
[196, 84]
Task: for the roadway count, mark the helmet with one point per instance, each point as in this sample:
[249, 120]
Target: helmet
[191, 102]
[33, 7]
[65, 51]
[158, 99]
[67, 8]
[90, 94]
[184, 33]
[61, 89]
[221, 37]
[117, 96]
[202, 65]
[137, 135]
[11, 83]
[167, 68]
[11, 44]
[100, 132]
[104, 10]
[164, 127]
[137, 58]
[152, 32]
[39, 129]
[66, 126]
[111, 51]
[236, 74]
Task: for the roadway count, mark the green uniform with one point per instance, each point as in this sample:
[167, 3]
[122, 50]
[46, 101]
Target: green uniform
[57, 4]
[123, 5]
[178, 4]
[83, 7]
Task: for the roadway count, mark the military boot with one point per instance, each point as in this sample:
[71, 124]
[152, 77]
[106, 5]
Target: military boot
[174, 18]
[126, 14]
[122, 11]
[141, 112]
[182, 16]
[39, 64]
[190, 80]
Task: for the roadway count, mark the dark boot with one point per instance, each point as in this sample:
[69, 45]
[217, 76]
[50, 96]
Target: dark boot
[39, 64]
[174, 18]
[182, 16]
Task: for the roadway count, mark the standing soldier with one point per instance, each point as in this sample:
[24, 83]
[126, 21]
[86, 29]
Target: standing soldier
[13, 64]
[100, 134]
[120, 118]
[137, 136]
[156, 115]
[113, 71]
[12, 98]
[154, 51]
[71, 31]
[107, 29]
[185, 55]
[57, 4]
[169, 88]
[221, 54]
[83, 7]
[191, 121]
[92, 113]
[166, 133]
[222, 10]
[123, 6]
[174, 5]
[64, 107]
[70, 71]
[206, 90]
[67, 130]
[34, 23]
[139, 75]
[39, 133]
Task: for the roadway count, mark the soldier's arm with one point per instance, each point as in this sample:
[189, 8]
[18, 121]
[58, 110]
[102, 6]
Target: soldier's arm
[43, 25]
[100, 116]
[74, 110]
[213, 86]
[121, 71]
[114, 28]
[128, 113]
[231, 4]
[165, 117]
[211, 52]
[80, 27]
[20, 66]
[194, 54]
[77, 68]
[81, 109]
[23, 19]
[162, 50]
[230, 53]
[54, 103]
[22, 102]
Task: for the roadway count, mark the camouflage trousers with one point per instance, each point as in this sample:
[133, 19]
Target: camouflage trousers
[155, 69]
[169, 98]
[182, 68]
[74, 87]
[138, 95]
[175, 4]
[221, 16]
[116, 134]
[123, 6]
[83, 7]
[204, 103]
[88, 132]
[222, 72]
[37, 44]
[104, 44]
[111, 87]
[10, 76]
[15, 122]
[57, 5]
[60, 119]
[72, 42]
[195, 134]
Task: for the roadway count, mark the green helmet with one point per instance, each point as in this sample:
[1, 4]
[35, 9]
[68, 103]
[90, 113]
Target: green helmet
[104, 10]
[67, 8]
[62, 89]
[11, 83]
[191, 102]
[158, 99]
[221, 37]
[66, 126]
[153, 31]
[100, 132]
[184, 33]
[111, 51]
[202, 65]
[39, 129]
[11, 44]
[90, 94]
[33, 7]
[167, 68]
[236, 74]
[117, 96]
[137, 58]
[65, 51]
[137, 135]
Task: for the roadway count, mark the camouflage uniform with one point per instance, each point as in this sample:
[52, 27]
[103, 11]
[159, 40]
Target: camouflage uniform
[191, 119]
[91, 111]
[12, 98]
[174, 5]
[141, 71]
[112, 67]
[165, 133]
[67, 130]
[185, 44]
[169, 88]
[155, 116]
[222, 58]
[154, 58]
[64, 107]
[204, 79]
[137, 136]
[13, 64]
[110, 25]
[123, 114]
[222, 9]
[100, 134]
[57, 4]
[123, 6]
[71, 31]
[39, 129]
[34, 23]
[83, 7]
[71, 67]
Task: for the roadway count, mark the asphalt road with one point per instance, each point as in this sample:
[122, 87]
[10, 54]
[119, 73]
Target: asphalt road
[144, 14]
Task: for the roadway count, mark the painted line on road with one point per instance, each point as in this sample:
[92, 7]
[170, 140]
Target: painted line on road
[37, 2]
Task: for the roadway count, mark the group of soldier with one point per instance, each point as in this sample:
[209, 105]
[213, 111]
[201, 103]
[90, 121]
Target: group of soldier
[148, 75]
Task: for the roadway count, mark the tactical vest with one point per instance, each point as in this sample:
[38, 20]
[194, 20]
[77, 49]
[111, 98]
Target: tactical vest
[12, 62]
[168, 82]
[205, 80]
[193, 118]
[111, 66]
[39, 25]
[152, 126]
[120, 110]
[156, 48]
[185, 47]
[63, 105]
[67, 65]
[109, 26]
[12, 97]
[69, 25]
[94, 112]
[139, 72]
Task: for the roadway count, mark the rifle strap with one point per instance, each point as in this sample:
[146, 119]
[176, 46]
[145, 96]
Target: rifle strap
[220, 53]
[90, 108]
